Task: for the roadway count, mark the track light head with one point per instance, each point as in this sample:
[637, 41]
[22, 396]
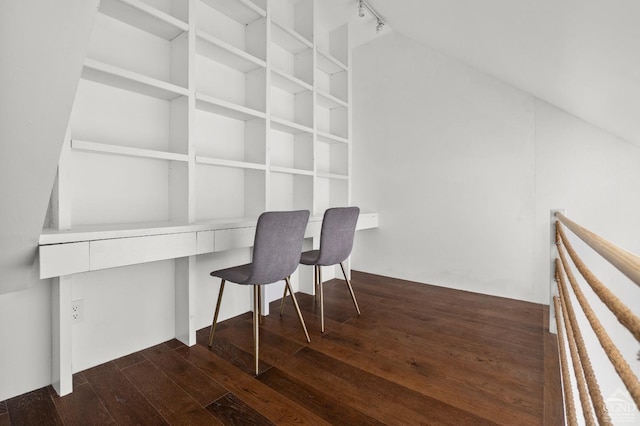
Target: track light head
[362, 5]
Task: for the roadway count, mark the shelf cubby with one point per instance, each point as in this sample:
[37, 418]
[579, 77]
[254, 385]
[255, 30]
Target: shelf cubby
[292, 23]
[126, 119]
[220, 51]
[288, 39]
[140, 190]
[288, 82]
[327, 100]
[246, 89]
[328, 64]
[290, 190]
[166, 24]
[330, 192]
[115, 43]
[289, 107]
[226, 191]
[239, 23]
[333, 121]
[230, 142]
[291, 153]
[332, 159]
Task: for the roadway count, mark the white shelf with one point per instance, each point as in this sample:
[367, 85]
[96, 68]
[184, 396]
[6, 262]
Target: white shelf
[98, 147]
[287, 126]
[328, 64]
[227, 109]
[289, 83]
[141, 15]
[332, 176]
[327, 100]
[227, 54]
[128, 80]
[291, 171]
[330, 138]
[289, 39]
[243, 11]
[229, 163]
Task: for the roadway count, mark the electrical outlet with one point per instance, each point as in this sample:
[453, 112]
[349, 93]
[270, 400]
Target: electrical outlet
[77, 311]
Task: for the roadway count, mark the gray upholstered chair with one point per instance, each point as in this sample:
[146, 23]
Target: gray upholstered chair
[276, 255]
[336, 242]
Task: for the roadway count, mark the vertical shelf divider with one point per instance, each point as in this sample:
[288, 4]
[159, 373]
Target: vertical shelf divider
[185, 268]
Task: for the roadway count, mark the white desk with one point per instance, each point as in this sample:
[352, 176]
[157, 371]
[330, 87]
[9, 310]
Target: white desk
[66, 252]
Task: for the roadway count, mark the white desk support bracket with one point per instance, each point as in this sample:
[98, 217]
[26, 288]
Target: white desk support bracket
[553, 287]
[185, 300]
[61, 368]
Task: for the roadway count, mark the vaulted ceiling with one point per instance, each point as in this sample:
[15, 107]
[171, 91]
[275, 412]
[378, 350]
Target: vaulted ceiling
[580, 55]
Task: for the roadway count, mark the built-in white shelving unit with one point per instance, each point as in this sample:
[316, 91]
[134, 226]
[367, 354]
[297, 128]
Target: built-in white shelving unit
[192, 112]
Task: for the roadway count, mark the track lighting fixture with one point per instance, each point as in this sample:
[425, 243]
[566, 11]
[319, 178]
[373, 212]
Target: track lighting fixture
[362, 5]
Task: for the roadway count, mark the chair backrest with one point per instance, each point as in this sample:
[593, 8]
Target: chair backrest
[336, 238]
[277, 245]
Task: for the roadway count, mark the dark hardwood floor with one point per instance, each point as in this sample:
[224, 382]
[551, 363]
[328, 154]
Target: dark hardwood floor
[419, 354]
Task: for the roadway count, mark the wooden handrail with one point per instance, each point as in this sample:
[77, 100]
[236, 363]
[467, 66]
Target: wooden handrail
[626, 262]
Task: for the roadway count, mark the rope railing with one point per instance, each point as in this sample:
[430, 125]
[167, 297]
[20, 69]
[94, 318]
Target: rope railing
[581, 361]
[629, 264]
[626, 262]
[564, 365]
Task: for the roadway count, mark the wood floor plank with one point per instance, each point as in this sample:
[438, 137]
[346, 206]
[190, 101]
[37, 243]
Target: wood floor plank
[33, 408]
[125, 403]
[368, 390]
[200, 387]
[173, 403]
[260, 397]
[4, 419]
[321, 403]
[82, 407]
[553, 404]
[230, 410]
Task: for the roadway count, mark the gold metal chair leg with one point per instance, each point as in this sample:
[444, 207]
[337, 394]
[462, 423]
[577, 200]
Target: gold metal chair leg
[256, 325]
[315, 283]
[260, 304]
[321, 298]
[215, 315]
[353, 296]
[295, 303]
[284, 297]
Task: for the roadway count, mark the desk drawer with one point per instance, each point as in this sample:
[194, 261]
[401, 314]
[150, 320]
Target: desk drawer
[64, 259]
[227, 239]
[130, 251]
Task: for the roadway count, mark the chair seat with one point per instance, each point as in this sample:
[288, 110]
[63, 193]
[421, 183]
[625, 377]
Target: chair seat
[237, 274]
[309, 257]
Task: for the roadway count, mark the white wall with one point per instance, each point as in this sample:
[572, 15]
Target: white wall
[464, 169]
[38, 76]
[445, 155]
